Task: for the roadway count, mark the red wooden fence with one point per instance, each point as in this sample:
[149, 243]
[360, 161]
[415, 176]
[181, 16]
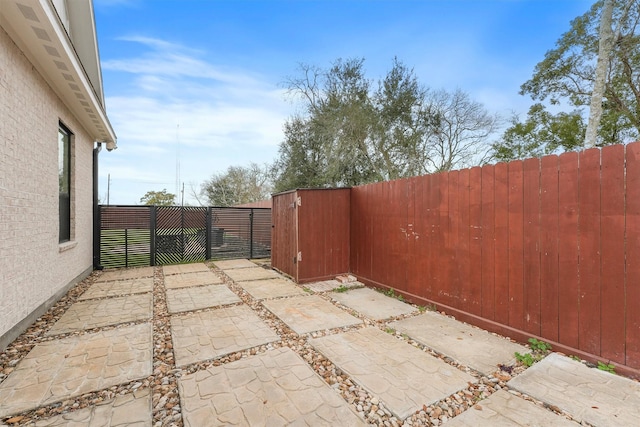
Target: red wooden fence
[310, 234]
[543, 247]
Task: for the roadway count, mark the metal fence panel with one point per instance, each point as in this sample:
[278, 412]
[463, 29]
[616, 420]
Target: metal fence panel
[124, 236]
[158, 235]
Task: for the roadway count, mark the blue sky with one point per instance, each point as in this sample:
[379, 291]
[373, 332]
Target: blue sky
[200, 83]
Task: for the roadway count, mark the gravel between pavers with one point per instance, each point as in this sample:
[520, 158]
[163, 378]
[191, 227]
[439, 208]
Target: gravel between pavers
[163, 381]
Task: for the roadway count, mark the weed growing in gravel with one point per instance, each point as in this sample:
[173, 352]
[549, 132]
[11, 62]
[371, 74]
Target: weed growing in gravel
[391, 293]
[341, 288]
[428, 307]
[390, 330]
[539, 349]
[607, 367]
[539, 346]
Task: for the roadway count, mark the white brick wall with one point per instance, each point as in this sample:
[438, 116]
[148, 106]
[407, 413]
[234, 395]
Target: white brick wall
[33, 265]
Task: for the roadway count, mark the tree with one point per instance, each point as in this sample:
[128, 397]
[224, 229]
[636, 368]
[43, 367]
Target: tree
[238, 185]
[352, 131]
[459, 133]
[569, 71]
[605, 45]
[158, 198]
[540, 134]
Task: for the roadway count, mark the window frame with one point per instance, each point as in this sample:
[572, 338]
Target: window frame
[65, 175]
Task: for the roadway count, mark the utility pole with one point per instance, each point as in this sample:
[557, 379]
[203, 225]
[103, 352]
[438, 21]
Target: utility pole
[108, 187]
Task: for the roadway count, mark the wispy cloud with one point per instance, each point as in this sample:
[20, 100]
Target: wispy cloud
[180, 108]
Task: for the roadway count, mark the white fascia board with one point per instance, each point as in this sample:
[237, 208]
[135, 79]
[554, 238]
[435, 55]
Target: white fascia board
[35, 27]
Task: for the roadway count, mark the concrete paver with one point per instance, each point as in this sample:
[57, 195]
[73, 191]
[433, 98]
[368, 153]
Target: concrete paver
[274, 388]
[504, 409]
[255, 273]
[329, 285]
[473, 347]
[97, 313]
[197, 267]
[118, 288]
[230, 264]
[131, 410]
[309, 313]
[372, 304]
[209, 334]
[401, 375]
[125, 273]
[65, 368]
[591, 395]
[192, 279]
[189, 299]
[271, 288]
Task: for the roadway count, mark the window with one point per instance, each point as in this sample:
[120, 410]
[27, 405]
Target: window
[64, 182]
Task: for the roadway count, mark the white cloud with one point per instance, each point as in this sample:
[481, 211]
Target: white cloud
[179, 107]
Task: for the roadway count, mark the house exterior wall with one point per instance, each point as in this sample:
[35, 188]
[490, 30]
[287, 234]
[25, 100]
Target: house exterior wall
[35, 270]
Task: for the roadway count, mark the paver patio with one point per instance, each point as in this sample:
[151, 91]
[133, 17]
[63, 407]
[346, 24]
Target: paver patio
[309, 313]
[97, 313]
[470, 346]
[271, 288]
[191, 279]
[254, 273]
[118, 288]
[189, 299]
[278, 386]
[275, 388]
[125, 273]
[402, 376]
[504, 409]
[373, 304]
[209, 334]
[185, 268]
[587, 394]
[61, 369]
[230, 264]
[130, 410]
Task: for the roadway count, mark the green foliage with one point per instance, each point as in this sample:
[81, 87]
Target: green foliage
[539, 346]
[607, 367]
[539, 349]
[392, 293]
[540, 134]
[158, 198]
[390, 330]
[341, 289]
[238, 185]
[567, 72]
[527, 359]
[353, 131]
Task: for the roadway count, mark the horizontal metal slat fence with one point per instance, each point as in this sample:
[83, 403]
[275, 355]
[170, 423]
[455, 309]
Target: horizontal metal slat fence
[157, 235]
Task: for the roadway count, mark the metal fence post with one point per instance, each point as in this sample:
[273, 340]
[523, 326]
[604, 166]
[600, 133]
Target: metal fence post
[126, 247]
[208, 233]
[251, 234]
[97, 237]
[152, 235]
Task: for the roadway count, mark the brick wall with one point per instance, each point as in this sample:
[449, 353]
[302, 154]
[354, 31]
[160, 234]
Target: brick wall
[33, 265]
